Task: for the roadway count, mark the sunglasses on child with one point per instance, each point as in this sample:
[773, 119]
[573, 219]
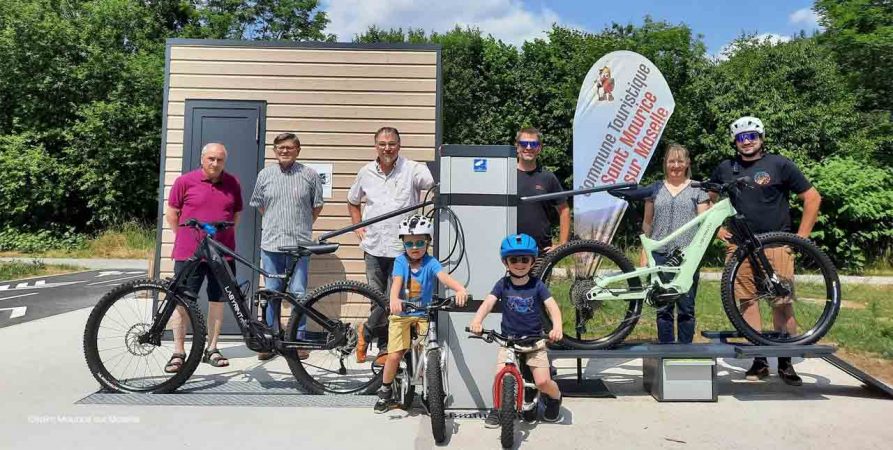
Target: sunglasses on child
[421, 243]
[748, 135]
[520, 259]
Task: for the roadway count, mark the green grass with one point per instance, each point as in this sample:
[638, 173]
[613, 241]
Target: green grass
[16, 270]
[126, 241]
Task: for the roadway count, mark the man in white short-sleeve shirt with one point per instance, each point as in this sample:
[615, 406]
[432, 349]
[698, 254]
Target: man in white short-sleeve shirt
[389, 183]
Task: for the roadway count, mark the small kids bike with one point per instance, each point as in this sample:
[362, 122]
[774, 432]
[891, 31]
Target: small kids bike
[508, 399]
[424, 364]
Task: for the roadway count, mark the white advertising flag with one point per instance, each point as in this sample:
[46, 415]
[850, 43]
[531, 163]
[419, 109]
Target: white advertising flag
[622, 110]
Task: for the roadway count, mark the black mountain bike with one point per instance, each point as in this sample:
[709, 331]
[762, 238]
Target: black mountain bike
[128, 337]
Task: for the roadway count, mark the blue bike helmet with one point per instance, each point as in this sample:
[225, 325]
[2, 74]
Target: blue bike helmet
[518, 244]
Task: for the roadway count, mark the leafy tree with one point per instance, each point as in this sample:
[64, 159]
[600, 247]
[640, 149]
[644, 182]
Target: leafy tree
[860, 33]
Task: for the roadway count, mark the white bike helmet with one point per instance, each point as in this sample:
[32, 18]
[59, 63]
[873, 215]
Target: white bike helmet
[416, 225]
[746, 123]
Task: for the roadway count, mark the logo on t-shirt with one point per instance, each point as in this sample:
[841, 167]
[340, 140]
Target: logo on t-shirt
[415, 289]
[762, 178]
[521, 305]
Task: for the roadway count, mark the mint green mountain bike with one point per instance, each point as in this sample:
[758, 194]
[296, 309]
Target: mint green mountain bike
[602, 295]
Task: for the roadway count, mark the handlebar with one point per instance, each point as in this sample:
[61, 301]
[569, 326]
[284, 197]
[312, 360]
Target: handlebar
[746, 182]
[491, 336]
[208, 227]
[437, 304]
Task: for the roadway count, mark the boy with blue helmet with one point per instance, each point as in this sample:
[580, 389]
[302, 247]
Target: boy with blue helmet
[524, 298]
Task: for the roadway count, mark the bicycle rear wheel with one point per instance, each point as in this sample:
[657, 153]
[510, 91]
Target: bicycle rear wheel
[112, 347]
[798, 308]
[335, 370]
[570, 271]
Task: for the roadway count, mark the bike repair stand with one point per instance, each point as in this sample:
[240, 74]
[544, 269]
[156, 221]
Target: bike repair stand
[685, 372]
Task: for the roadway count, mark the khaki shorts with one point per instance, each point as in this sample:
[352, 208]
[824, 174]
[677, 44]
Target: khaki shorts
[782, 261]
[399, 334]
[536, 357]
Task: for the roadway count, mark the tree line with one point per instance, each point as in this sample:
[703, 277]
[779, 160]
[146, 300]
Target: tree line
[81, 85]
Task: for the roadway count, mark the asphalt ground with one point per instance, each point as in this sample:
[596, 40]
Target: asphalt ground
[35, 298]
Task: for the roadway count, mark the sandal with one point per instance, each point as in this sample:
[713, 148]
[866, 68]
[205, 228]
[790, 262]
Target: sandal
[219, 361]
[173, 365]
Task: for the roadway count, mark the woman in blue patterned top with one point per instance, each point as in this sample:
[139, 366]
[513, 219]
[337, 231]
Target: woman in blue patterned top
[673, 204]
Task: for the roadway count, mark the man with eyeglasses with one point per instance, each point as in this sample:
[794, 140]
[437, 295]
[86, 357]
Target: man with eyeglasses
[288, 195]
[388, 183]
[536, 219]
[766, 208]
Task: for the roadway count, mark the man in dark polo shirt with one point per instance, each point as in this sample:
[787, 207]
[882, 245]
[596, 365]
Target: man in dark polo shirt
[766, 208]
[207, 194]
[536, 219]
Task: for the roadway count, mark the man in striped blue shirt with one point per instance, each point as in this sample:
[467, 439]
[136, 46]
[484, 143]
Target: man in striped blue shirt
[289, 197]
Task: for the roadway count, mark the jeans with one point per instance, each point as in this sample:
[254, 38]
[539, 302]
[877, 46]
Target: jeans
[378, 273]
[278, 263]
[685, 319]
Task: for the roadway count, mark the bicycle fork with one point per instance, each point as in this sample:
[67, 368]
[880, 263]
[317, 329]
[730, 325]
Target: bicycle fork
[523, 402]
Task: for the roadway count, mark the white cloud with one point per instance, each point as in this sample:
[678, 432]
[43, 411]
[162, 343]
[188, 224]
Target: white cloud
[508, 20]
[805, 17]
[729, 49]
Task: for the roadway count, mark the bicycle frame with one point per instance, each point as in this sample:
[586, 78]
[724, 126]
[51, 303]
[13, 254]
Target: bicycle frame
[418, 357]
[683, 278]
[211, 251]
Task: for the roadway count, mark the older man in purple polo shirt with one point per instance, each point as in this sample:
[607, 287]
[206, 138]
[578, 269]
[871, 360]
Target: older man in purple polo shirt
[207, 194]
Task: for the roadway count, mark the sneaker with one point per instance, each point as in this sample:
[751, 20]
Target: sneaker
[529, 415]
[492, 420]
[788, 375]
[553, 409]
[362, 346]
[757, 371]
[385, 400]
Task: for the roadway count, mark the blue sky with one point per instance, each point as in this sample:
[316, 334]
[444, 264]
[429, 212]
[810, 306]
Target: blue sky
[719, 21]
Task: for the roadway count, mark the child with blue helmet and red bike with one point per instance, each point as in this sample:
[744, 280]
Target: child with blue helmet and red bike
[524, 297]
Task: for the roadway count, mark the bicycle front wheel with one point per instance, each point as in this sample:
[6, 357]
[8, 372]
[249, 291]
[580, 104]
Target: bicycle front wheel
[117, 354]
[334, 370]
[798, 306]
[570, 271]
[508, 410]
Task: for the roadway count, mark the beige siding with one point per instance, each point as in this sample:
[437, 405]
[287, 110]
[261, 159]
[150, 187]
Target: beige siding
[334, 99]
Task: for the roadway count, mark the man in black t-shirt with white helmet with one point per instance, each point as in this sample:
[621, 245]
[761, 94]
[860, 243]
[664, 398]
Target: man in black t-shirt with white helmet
[766, 208]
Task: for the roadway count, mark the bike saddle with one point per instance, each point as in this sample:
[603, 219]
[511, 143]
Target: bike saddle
[310, 249]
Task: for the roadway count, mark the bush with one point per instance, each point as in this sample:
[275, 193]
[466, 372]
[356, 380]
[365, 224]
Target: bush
[33, 192]
[855, 222]
[40, 241]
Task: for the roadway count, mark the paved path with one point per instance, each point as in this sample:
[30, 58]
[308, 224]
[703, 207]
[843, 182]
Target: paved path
[33, 298]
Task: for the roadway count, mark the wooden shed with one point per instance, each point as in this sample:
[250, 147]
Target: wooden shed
[334, 96]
